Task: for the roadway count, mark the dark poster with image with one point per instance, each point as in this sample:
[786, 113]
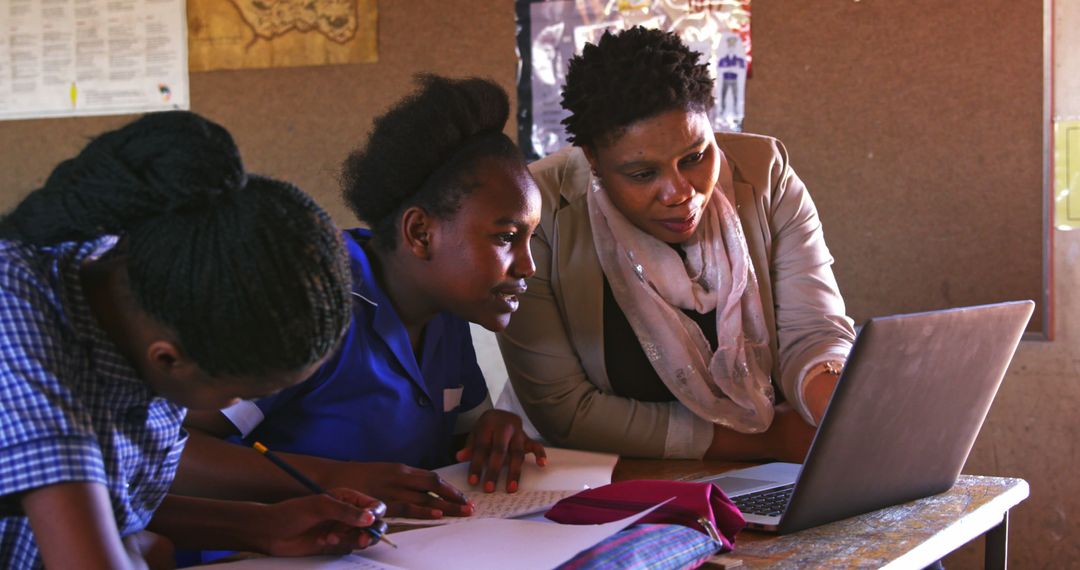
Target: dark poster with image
[550, 32]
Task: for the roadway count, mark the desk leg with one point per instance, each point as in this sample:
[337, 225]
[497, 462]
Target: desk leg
[997, 545]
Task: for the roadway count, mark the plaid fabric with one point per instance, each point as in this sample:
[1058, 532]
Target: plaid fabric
[651, 546]
[71, 407]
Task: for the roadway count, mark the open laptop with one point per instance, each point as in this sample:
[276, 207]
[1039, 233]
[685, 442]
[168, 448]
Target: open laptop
[913, 395]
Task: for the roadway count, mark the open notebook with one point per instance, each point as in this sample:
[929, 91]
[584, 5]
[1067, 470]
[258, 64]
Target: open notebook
[567, 472]
[488, 543]
[488, 539]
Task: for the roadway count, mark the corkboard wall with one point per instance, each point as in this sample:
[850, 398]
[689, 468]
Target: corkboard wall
[300, 123]
[917, 126]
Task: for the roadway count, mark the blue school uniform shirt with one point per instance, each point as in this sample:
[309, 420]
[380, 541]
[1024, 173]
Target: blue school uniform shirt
[373, 401]
[72, 408]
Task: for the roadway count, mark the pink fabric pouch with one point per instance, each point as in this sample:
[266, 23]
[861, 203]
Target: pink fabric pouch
[700, 506]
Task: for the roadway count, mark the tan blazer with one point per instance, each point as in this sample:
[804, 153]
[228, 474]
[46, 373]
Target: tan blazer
[554, 347]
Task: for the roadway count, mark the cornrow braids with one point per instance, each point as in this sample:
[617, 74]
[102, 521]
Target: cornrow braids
[248, 272]
[257, 283]
[421, 149]
[629, 76]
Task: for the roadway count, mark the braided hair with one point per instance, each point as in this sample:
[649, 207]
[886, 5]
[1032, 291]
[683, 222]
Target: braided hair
[420, 151]
[629, 76]
[247, 271]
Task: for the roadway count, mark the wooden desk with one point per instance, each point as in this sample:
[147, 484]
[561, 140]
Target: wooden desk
[910, 535]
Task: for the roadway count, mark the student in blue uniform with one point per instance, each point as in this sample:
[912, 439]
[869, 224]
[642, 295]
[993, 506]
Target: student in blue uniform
[451, 207]
[152, 273]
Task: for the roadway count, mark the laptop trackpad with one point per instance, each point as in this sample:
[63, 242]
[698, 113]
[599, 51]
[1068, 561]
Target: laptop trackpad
[738, 485]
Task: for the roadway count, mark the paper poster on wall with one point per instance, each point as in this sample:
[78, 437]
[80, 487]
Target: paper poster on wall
[1067, 175]
[550, 32]
[92, 57]
[241, 34]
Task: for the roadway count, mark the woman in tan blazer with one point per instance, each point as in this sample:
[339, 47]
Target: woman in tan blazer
[681, 274]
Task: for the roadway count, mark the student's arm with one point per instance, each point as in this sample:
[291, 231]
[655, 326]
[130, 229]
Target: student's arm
[213, 468]
[50, 460]
[333, 523]
[493, 439]
[74, 527]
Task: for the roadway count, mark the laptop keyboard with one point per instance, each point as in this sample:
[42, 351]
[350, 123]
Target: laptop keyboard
[770, 502]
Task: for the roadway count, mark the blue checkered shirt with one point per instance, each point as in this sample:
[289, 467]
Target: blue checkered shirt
[72, 408]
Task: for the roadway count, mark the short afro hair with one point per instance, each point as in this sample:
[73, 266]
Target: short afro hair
[632, 75]
[420, 150]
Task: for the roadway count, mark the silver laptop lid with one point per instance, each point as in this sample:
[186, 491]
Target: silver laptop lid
[905, 414]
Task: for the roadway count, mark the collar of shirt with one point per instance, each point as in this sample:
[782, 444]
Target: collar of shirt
[384, 320]
[109, 363]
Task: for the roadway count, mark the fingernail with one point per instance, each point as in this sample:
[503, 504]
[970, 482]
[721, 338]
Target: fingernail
[489, 487]
[512, 487]
[436, 513]
[541, 461]
[474, 479]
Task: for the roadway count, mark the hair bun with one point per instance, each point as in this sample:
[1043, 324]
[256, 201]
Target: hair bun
[414, 139]
[160, 163]
[156, 154]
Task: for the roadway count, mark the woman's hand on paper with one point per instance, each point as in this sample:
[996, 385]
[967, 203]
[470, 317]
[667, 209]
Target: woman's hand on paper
[498, 441]
[333, 523]
[408, 492]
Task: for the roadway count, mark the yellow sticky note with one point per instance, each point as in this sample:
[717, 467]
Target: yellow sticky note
[1067, 175]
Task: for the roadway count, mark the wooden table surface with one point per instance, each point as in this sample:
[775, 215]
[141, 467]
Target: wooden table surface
[909, 535]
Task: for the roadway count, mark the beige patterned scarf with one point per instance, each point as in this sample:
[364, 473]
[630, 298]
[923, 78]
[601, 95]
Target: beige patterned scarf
[651, 283]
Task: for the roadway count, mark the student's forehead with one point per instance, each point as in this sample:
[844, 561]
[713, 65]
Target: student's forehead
[500, 189]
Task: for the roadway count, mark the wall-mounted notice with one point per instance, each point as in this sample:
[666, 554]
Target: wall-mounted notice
[1067, 174]
[63, 58]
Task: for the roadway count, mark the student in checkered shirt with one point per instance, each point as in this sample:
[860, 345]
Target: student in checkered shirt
[152, 273]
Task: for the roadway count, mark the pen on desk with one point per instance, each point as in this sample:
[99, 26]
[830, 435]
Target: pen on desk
[435, 495]
[311, 485]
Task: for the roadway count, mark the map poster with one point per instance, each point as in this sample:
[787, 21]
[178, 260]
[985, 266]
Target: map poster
[63, 58]
[242, 34]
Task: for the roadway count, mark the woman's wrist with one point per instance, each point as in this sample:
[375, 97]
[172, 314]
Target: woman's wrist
[818, 387]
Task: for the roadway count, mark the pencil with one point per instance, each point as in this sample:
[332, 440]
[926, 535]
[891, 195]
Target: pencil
[311, 485]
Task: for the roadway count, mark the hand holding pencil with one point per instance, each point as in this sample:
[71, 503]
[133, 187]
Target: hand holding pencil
[375, 529]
